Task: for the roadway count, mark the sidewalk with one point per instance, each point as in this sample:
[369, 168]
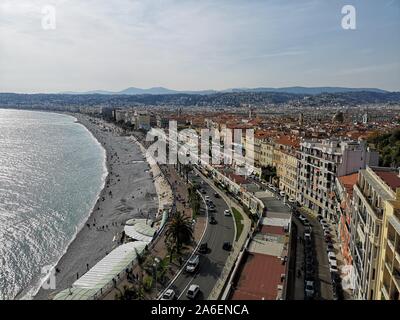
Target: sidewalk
[158, 248]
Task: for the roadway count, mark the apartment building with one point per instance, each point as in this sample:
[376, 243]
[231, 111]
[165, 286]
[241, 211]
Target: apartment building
[320, 162]
[389, 266]
[286, 149]
[267, 153]
[374, 224]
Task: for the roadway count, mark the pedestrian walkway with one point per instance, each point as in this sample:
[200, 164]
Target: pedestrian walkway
[158, 248]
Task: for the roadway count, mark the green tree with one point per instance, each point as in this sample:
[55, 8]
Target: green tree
[179, 230]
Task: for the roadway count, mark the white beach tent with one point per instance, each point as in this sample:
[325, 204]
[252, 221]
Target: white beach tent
[139, 229]
[111, 266]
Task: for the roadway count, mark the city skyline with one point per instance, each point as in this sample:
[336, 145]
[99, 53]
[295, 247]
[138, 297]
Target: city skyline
[197, 46]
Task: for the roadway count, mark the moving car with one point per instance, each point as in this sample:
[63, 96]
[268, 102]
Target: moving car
[227, 246]
[207, 198]
[193, 291]
[217, 195]
[193, 263]
[212, 220]
[168, 295]
[203, 248]
[307, 236]
[227, 212]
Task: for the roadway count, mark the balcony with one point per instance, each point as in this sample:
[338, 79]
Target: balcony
[396, 278]
[385, 292]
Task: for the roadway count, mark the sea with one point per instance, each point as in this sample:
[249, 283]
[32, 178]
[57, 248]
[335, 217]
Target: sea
[52, 170]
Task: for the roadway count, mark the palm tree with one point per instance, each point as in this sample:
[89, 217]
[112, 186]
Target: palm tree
[179, 230]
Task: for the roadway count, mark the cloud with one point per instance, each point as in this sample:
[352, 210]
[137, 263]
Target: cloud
[182, 44]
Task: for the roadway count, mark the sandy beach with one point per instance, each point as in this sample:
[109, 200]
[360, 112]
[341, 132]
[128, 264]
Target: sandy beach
[129, 192]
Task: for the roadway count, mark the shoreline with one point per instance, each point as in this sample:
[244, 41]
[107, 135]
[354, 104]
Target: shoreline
[110, 210]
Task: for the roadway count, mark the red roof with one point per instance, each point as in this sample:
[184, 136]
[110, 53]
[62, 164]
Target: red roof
[348, 182]
[272, 230]
[259, 278]
[391, 178]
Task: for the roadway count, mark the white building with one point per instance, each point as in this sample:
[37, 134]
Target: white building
[321, 162]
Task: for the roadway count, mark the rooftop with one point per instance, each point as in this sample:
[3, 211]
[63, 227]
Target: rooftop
[259, 278]
[348, 182]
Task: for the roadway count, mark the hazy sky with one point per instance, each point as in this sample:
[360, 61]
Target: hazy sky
[199, 44]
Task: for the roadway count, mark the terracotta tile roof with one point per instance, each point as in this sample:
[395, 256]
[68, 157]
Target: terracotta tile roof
[259, 278]
[391, 178]
[348, 182]
[272, 230]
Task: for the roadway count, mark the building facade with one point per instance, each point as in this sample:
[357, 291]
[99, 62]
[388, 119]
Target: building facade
[320, 162]
[372, 194]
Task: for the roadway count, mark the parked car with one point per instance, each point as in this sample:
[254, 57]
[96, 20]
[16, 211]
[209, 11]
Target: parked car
[333, 268]
[193, 263]
[193, 290]
[282, 193]
[203, 191]
[168, 295]
[207, 198]
[302, 218]
[331, 256]
[227, 212]
[330, 247]
[217, 195]
[292, 200]
[326, 233]
[319, 217]
[307, 236]
[309, 288]
[203, 248]
[227, 246]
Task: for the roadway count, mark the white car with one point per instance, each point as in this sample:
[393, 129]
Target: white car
[193, 263]
[282, 193]
[292, 200]
[302, 218]
[192, 291]
[227, 213]
[309, 288]
[333, 267]
[168, 295]
[331, 256]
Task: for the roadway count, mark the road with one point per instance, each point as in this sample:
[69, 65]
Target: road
[211, 264]
[323, 282]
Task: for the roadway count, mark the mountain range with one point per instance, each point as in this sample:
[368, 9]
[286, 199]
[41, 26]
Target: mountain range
[293, 90]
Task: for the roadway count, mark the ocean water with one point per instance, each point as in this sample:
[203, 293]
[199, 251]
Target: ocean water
[51, 172]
